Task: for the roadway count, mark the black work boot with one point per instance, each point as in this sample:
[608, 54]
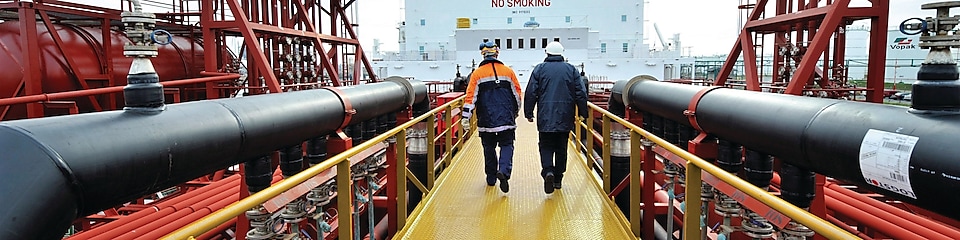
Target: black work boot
[548, 183]
[504, 186]
[556, 182]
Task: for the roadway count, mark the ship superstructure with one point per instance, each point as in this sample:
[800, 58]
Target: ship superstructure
[604, 39]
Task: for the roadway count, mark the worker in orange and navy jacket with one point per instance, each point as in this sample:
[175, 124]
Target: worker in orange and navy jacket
[494, 92]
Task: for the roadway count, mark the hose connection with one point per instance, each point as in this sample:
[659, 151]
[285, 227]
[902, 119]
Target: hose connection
[936, 90]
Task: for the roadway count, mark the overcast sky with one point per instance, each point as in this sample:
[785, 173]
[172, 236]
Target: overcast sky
[707, 26]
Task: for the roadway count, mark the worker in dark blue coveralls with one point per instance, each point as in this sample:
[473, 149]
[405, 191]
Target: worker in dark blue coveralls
[556, 91]
[494, 92]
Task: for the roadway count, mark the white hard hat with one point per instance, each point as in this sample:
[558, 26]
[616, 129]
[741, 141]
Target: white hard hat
[554, 48]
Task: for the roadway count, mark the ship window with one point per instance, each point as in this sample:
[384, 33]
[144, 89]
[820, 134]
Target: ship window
[423, 22]
[474, 21]
[603, 47]
[509, 20]
[497, 41]
[533, 19]
[566, 19]
[509, 43]
[421, 50]
[543, 42]
[626, 46]
[556, 39]
[519, 43]
[533, 43]
[623, 18]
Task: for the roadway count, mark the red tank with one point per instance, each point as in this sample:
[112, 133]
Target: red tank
[84, 45]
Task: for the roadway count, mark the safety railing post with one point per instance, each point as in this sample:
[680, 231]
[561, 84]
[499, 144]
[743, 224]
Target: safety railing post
[448, 134]
[577, 132]
[589, 133]
[401, 178]
[635, 188]
[345, 193]
[691, 212]
[649, 183]
[431, 149]
[606, 154]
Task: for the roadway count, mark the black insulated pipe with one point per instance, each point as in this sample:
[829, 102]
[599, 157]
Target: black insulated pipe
[687, 133]
[143, 92]
[840, 139]
[728, 156]
[257, 174]
[291, 160]
[619, 169]
[937, 90]
[317, 150]
[758, 168]
[671, 133]
[797, 185]
[77, 165]
[417, 163]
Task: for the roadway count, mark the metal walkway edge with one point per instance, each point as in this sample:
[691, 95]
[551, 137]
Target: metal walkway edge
[462, 206]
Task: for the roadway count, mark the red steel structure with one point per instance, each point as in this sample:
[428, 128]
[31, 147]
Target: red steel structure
[808, 46]
[64, 58]
[808, 56]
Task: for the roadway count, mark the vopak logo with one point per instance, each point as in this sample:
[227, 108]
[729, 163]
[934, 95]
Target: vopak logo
[902, 44]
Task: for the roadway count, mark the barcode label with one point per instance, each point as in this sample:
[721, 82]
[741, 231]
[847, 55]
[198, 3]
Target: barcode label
[896, 146]
[885, 160]
[898, 177]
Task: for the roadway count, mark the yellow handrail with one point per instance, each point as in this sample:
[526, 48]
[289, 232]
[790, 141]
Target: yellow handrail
[695, 163]
[233, 210]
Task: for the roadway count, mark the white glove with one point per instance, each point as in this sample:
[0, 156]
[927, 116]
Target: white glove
[465, 122]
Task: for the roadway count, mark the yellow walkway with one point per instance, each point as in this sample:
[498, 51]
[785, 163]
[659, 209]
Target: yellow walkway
[462, 206]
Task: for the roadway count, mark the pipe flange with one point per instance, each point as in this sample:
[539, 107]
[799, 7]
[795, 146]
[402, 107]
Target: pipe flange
[630, 83]
[411, 93]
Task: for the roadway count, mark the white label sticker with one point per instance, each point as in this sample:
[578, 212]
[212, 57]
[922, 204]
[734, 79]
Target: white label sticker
[885, 160]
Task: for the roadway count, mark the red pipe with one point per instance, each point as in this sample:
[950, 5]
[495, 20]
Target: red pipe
[128, 223]
[96, 91]
[179, 214]
[380, 229]
[908, 218]
[844, 225]
[886, 216]
[878, 224]
[139, 227]
[193, 215]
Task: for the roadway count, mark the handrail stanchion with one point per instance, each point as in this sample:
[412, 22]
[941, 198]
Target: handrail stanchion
[401, 178]
[691, 213]
[431, 150]
[344, 193]
[448, 135]
[589, 133]
[606, 154]
[649, 182]
[635, 189]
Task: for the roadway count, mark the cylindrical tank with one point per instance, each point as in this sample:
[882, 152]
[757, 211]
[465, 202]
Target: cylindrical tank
[182, 59]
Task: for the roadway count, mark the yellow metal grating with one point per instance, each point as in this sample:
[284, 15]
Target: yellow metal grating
[462, 206]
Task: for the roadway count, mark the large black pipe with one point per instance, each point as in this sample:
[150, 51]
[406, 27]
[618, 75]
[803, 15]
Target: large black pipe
[56, 169]
[826, 136]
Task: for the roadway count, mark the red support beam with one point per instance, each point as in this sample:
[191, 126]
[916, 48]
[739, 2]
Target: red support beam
[751, 73]
[819, 43]
[253, 47]
[30, 49]
[876, 61]
[731, 60]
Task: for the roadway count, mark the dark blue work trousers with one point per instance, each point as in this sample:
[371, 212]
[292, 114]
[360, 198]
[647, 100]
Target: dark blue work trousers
[553, 154]
[493, 164]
